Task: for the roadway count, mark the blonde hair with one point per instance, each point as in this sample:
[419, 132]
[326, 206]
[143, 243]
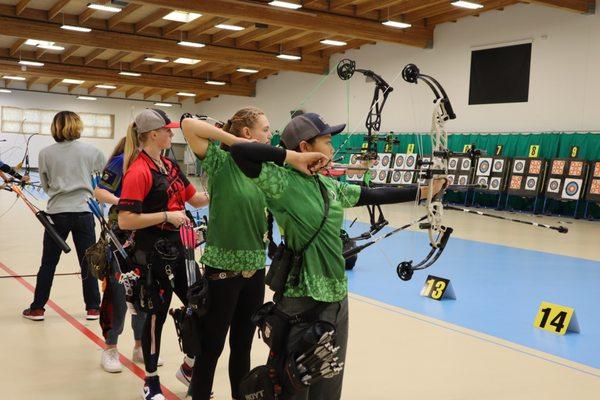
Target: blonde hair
[119, 147]
[66, 126]
[244, 118]
[133, 143]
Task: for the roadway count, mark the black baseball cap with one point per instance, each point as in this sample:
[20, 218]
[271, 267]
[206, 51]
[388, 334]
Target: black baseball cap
[305, 127]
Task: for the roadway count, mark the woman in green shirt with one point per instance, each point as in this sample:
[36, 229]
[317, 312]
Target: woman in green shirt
[234, 254]
[295, 199]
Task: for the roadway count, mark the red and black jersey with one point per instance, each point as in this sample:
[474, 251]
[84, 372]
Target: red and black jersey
[147, 190]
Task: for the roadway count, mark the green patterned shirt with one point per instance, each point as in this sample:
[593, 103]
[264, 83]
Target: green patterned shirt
[237, 229]
[297, 204]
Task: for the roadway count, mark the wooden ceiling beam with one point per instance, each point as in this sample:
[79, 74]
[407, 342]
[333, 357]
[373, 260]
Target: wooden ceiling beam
[133, 90]
[151, 92]
[53, 84]
[224, 33]
[371, 5]
[138, 61]
[133, 43]
[578, 6]
[57, 8]
[32, 81]
[335, 4]
[93, 55]
[168, 94]
[315, 21]
[408, 6]
[305, 40]
[68, 53]
[120, 16]
[117, 58]
[110, 92]
[21, 6]
[152, 18]
[208, 24]
[453, 16]
[258, 34]
[275, 39]
[87, 14]
[224, 72]
[61, 71]
[16, 46]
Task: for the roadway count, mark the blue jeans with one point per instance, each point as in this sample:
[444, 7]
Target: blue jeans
[81, 226]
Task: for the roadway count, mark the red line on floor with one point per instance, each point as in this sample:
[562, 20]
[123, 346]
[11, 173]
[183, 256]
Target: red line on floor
[130, 365]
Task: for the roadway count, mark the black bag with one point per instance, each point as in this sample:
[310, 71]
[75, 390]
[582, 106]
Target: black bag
[286, 264]
[257, 385]
[188, 328]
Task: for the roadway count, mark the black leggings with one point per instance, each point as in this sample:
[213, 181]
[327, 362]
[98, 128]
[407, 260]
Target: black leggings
[232, 303]
[156, 318]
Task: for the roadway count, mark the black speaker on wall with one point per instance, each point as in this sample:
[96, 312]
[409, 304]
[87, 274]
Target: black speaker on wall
[500, 75]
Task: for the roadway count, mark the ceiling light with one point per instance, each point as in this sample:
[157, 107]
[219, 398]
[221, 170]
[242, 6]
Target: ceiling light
[396, 24]
[187, 61]
[289, 57]
[247, 70]
[106, 86]
[101, 7]
[190, 44]
[467, 4]
[14, 78]
[87, 98]
[158, 60]
[182, 16]
[216, 83]
[230, 27]
[32, 63]
[73, 81]
[5, 91]
[285, 4]
[35, 42]
[185, 94]
[127, 73]
[333, 42]
[50, 47]
[76, 28]
[163, 104]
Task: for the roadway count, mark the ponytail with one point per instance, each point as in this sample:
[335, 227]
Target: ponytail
[132, 146]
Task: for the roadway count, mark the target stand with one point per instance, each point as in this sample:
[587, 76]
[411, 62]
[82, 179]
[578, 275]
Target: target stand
[526, 178]
[565, 182]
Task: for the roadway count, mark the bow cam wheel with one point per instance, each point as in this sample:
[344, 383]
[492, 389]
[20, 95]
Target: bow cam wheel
[404, 270]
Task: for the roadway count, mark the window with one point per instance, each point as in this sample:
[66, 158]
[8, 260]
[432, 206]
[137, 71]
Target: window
[28, 121]
[500, 75]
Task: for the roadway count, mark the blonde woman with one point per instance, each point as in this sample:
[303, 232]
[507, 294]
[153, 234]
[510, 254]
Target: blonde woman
[153, 197]
[68, 189]
[234, 255]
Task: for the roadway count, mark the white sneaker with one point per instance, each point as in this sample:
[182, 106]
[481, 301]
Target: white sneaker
[110, 361]
[138, 356]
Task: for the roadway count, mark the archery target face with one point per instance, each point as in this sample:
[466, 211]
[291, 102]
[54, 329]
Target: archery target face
[595, 187]
[400, 160]
[495, 183]
[498, 166]
[411, 161]
[453, 164]
[597, 169]
[484, 166]
[558, 167]
[535, 167]
[380, 176]
[576, 168]
[451, 179]
[515, 182]
[397, 177]
[407, 177]
[373, 173]
[553, 185]
[465, 164]
[482, 180]
[463, 180]
[531, 183]
[519, 166]
[385, 160]
[572, 189]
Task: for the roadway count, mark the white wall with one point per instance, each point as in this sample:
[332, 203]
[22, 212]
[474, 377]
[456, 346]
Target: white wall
[124, 111]
[565, 78]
